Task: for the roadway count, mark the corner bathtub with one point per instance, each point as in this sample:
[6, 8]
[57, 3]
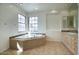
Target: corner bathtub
[27, 41]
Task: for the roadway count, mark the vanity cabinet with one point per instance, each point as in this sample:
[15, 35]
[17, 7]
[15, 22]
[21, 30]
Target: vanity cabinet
[70, 41]
[70, 28]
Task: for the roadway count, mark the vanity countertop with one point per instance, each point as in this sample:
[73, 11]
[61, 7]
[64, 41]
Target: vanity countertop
[73, 31]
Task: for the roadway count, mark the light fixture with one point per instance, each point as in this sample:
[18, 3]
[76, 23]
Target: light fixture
[21, 4]
[36, 8]
[54, 11]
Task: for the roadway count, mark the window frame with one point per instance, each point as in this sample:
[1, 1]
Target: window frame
[21, 23]
[33, 24]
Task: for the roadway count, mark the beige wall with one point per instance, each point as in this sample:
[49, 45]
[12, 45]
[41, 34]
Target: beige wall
[53, 27]
[51, 24]
[41, 21]
[8, 24]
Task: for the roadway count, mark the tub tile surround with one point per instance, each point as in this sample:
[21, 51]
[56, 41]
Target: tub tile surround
[50, 48]
[27, 42]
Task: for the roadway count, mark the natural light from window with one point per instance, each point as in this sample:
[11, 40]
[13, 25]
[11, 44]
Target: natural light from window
[21, 22]
[33, 24]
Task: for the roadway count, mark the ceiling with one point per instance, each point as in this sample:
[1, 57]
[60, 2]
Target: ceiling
[43, 7]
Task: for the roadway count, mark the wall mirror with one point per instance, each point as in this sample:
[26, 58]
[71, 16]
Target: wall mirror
[68, 21]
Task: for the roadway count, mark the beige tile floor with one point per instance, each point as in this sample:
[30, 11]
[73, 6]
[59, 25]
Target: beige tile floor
[50, 48]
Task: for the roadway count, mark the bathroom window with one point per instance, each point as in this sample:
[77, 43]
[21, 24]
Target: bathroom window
[21, 22]
[33, 24]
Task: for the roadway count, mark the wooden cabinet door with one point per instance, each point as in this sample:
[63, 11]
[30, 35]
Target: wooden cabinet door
[70, 41]
[74, 45]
